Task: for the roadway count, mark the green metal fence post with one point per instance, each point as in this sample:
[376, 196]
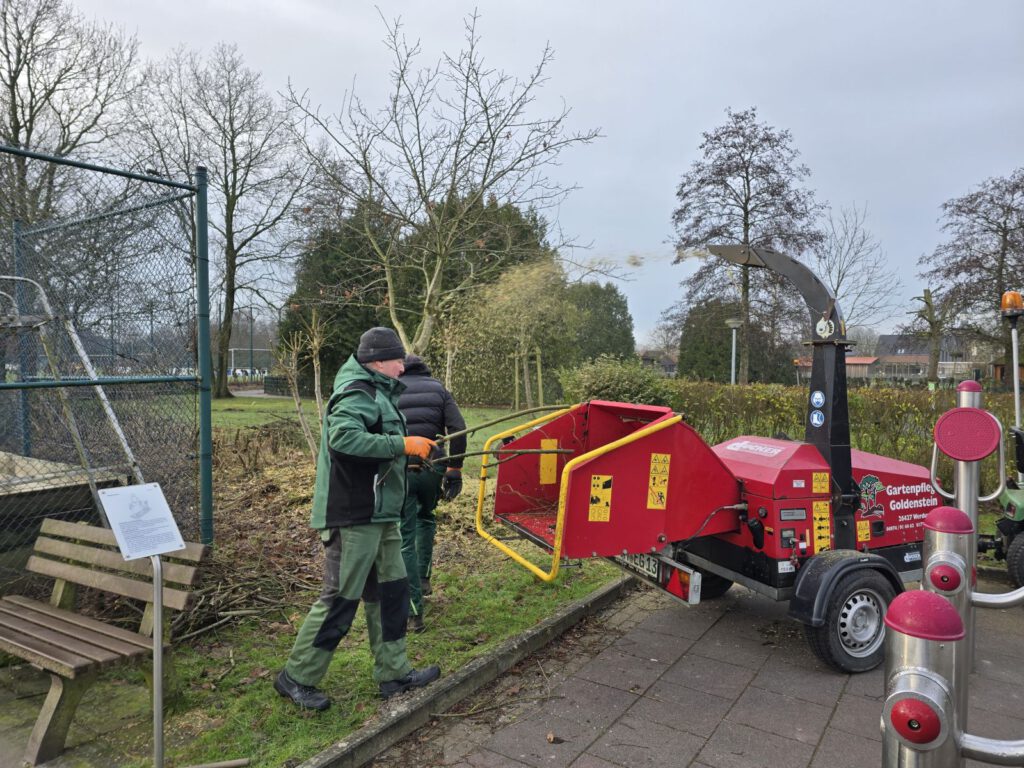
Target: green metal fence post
[203, 352]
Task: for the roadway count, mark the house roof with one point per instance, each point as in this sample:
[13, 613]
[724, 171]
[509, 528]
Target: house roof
[805, 362]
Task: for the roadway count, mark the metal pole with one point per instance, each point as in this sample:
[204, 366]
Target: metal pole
[966, 486]
[948, 541]
[1016, 387]
[203, 353]
[732, 368]
[919, 727]
[252, 367]
[158, 662]
[24, 353]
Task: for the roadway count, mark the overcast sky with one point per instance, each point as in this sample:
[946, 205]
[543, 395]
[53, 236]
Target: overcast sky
[898, 106]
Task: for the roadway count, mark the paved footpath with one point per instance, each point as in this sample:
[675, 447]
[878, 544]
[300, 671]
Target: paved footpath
[728, 684]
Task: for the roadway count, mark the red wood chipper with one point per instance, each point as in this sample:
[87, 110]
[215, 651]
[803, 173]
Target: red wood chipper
[834, 531]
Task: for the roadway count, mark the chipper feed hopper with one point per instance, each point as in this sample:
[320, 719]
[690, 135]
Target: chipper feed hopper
[834, 531]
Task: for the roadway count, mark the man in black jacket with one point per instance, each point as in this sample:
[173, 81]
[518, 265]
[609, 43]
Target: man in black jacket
[430, 411]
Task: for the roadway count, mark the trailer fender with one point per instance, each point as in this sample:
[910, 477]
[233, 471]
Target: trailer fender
[818, 576]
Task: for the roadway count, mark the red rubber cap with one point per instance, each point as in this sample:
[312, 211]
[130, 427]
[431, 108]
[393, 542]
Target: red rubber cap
[945, 578]
[948, 520]
[970, 385]
[967, 434]
[925, 615]
[916, 721]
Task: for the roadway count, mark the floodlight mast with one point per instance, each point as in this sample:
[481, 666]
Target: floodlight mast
[828, 421]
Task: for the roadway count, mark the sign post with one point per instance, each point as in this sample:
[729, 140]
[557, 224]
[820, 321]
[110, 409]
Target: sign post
[144, 527]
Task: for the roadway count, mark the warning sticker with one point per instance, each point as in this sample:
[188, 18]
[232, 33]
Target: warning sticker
[548, 463]
[819, 482]
[863, 530]
[600, 499]
[657, 487]
[822, 526]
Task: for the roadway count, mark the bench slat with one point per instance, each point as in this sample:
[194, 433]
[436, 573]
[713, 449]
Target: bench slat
[57, 640]
[112, 559]
[119, 585]
[71, 630]
[64, 663]
[192, 552]
[83, 621]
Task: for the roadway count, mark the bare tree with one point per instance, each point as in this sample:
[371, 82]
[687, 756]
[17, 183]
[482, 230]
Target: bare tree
[984, 255]
[932, 320]
[217, 112]
[850, 260]
[453, 140]
[746, 189]
[64, 85]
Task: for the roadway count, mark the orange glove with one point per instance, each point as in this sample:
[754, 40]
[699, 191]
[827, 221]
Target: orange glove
[418, 446]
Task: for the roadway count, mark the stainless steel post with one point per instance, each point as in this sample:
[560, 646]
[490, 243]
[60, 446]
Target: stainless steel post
[1017, 389]
[158, 662]
[919, 726]
[948, 540]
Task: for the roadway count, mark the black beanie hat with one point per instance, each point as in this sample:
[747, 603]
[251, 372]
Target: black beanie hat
[379, 344]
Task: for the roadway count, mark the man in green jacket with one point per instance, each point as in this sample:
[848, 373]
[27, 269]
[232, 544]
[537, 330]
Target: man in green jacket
[357, 507]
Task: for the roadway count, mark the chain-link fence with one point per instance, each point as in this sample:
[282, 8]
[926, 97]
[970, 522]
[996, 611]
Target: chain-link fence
[99, 336]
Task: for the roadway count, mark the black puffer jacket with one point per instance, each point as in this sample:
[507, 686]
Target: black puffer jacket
[429, 408]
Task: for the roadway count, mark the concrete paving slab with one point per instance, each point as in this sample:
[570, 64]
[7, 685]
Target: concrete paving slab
[543, 741]
[839, 749]
[858, 715]
[588, 703]
[735, 745]
[683, 708]
[811, 681]
[781, 714]
[639, 743]
[719, 678]
[624, 671]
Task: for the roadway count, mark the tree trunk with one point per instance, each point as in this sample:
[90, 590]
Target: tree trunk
[515, 385]
[743, 375]
[527, 390]
[540, 381]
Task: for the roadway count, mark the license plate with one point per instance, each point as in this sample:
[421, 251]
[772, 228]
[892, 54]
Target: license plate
[648, 565]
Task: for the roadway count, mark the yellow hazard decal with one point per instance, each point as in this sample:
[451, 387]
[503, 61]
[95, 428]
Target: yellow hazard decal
[819, 482]
[863, 530]
[822, 526]
[657, 487]
[548, 463]
[600, 499]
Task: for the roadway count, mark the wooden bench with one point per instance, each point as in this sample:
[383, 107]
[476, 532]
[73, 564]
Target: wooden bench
[74, 648]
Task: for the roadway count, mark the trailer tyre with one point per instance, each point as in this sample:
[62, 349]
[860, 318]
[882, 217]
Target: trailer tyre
[712, 585]
[1015, 560]
[851, 639]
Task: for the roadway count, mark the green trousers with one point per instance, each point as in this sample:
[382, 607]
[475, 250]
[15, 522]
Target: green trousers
[362, 562]
[418, 528]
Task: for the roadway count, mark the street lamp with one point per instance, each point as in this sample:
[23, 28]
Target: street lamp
[734, 323]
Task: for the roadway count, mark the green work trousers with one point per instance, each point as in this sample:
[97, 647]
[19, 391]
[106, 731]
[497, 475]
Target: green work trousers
[362, 562]
[418, 527]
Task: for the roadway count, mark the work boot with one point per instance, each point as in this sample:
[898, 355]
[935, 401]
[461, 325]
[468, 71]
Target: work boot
[425, 587]
[415, 624]
[415, 679]
[305, 696]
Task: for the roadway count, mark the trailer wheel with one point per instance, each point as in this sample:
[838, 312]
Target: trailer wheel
[712, 585]
[1015, 560]
[851, 639]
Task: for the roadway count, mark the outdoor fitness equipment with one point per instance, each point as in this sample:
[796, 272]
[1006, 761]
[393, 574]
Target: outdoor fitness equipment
[930, 638]
[834, 531]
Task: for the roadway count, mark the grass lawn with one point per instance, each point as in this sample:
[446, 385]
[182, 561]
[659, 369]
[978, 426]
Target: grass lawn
[227, 708]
